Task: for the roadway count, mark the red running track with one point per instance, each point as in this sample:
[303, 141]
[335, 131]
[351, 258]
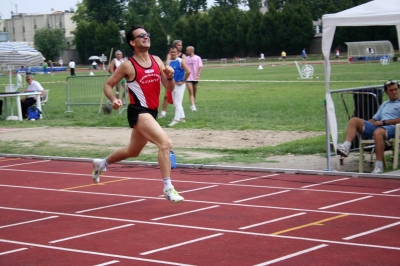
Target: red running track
[52, 214]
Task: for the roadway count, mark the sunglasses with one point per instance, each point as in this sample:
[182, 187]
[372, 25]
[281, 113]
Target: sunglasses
[390, 82]
[142, 35]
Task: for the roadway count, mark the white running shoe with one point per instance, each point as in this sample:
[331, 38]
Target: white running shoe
[97, 172]
[342, 150]
[173, 123]
[378, 170]
[161, 116]
[172, 195]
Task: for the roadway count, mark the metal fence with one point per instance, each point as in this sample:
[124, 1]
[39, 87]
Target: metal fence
[85, 90]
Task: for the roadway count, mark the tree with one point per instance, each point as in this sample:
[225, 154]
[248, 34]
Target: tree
[192, 6]
[169, 13]
[243, 27]
[254, 5]
[107, 37]
[227, 4]
[214, 32]
[50, 42]
[228, 34]
[84, 39]
[100, 11]
[159, 41]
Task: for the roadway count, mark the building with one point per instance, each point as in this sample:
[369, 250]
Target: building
[22, 28]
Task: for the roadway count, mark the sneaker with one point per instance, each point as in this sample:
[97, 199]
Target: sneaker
[97, 172]
[161, 116]
[342, 150]
[172, 195]
[173, 123]
[182, 120]
[193, 108]
[378, 170]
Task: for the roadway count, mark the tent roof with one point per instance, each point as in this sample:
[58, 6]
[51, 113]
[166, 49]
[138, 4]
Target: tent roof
[378, 12]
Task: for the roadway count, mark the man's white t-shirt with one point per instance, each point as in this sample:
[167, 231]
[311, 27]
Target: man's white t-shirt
[72, 64]
[33, 87]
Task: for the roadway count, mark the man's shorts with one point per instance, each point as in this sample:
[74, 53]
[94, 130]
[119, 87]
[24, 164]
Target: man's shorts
[135, 111]
[369, 129]
[194, 82]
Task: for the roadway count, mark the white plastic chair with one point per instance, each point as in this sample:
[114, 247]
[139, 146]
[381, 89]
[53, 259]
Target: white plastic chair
[45, 98]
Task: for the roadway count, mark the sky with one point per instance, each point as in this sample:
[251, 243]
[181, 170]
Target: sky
[40, 6]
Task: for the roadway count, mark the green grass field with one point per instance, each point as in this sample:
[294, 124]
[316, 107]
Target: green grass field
[229, 98]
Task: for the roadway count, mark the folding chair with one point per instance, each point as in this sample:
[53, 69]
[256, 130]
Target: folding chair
[392, 143]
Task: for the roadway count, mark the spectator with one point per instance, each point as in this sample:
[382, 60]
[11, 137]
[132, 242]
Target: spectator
[72, 68]
[283, 56]
[60, 62]
[303, 55]
[112, 67]
[30, 100]
[94, 65]
[380, 127]
[51, 67]
[195, 65]
[337, 54]
[181, 73]
[44, 65]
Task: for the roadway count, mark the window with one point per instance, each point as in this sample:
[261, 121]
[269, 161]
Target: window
[35, 27]
[60, 24]
[23, 29]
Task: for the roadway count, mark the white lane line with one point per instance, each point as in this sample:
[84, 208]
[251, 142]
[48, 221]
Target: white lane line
[92, 233]
[5, 166]
[109, 206]
[371, 231]
[258, 177]
[292, 255]
[27, 222]
[180, 244]
[179, 181]
[390, 191]
[107, 263]
[183, 213]
[261, 196]
[207, 202]
[342, 203]
[213, 229]
[191, 190]
[198, 189]
[92, 252]
[12, 251]
[271, 221]
[327, 182]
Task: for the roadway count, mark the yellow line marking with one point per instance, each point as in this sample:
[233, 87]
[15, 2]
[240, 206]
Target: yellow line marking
[310, 224]
[102, 183]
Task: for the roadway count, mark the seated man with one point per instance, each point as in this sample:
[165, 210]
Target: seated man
[31, 99]
[380, 127]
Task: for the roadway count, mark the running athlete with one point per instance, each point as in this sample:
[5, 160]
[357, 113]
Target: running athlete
[144, 74]
[115, 63]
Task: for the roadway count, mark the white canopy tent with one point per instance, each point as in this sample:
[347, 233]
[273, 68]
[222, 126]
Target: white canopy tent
[374, 13]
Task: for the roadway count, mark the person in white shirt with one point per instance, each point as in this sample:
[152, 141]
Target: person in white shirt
[262, 58]
[30, 100]
[112, 67]
[60, 62]
[72, 68]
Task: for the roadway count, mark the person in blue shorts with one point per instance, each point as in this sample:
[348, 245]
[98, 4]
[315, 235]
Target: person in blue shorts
[303, 55]
[380, 127]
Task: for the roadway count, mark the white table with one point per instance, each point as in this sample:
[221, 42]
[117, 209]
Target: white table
[18, 99]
